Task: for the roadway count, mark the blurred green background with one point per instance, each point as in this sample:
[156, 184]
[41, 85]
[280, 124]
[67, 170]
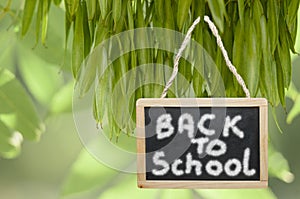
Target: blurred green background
[57, 166]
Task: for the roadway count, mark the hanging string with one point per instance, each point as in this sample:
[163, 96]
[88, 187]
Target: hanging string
[185, 42]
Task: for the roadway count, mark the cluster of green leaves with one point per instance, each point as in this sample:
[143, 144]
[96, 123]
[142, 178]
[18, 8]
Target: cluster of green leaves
[294, 95]
[257, 34]
[18, 118]
[31, 86]
[97, 20]
[40, 78]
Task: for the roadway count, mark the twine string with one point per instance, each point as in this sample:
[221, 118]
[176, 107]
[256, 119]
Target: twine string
[185, 42]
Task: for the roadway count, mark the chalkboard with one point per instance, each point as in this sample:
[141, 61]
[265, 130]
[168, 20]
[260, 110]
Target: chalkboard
[202, 143]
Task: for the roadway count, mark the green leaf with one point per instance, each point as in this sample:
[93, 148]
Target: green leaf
[278, 166]
[217, 9]
[249, 69]
[239, 50]
[97, 60]
[237, 194]
[54, 53]
[8, 39]
[39, 21]
[241, 7]
[78, 42]
[128, 189]
[159, 11]
[91, 7]
[9, 142]
[68, 24]
[103, 8]
[42, 79]
[297, 43]
[280, 79]
[116, 10]
[292, 92]
[276, 120]
[268, 76]
[86, 29]
[72, 6]
[183, 12]
[292, 11]
[295, 111]
[285, 56]
[27, 16]
[45, 9]
[273, 16]
[87, 173]
[102, 94]
[17, 109]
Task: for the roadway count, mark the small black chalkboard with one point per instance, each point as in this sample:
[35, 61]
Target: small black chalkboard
[194, 143]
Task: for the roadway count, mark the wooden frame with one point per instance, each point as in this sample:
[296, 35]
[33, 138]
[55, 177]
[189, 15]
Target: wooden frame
[203, 102]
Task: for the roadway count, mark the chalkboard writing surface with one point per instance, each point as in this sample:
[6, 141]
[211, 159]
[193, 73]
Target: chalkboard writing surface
[202, 143]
